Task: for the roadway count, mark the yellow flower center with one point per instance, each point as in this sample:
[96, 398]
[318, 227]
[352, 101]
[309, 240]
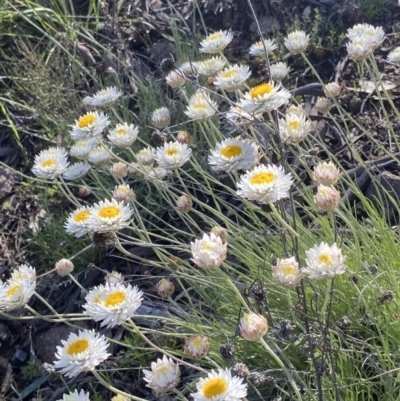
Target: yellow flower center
[109, 212]
[12, 290]
[161, 371]
[171, 152]
[87, 120]
[288, 270]
[120, 131]
[197, 342]
[263, 178]
[82, 216]
[323, 192]
[294, 124]
[97, 299]
[115, 298]
[229, 74]
[214, 387]
[207, 246]
[325, 259]
[48, 163]
[231, 151]
[78, 347]
[215, 36]
[261, 90]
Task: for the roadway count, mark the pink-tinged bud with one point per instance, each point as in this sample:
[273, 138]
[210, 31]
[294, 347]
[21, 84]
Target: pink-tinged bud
[197, 346]
[161, 117]
[84, 191]
[220, 232]
[326, 173]
[327, 198]
[123, 193]
[119, 170]
[64, 267]
[287, 272]
[184, 204]
[184, 138]
[253, 326]
[165, 288]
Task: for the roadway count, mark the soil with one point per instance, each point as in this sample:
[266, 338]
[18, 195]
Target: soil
[23, 345]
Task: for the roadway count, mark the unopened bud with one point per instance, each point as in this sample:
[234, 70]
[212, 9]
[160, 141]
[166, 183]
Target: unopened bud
[114, 278]
[332, 89]
[220, 232]
[64, 267]
[123, 193]
[161, 117]
[253, 326]
[326, 173]
[323, 105]
[84, 191]
[184, 138]
[119, 170]
[197, 346]
[184, 204]
[327, 198]
[165, 288]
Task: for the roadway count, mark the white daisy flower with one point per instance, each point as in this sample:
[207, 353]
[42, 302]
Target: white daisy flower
[394, 56]
[237, 116]
[297, 42]
[220, 386]
[201, 107]
[161, 117]
[105, 97]
[359, 48]
[90, 125]
[172, 155]
[209, 252]
[101, 154]
[265, 184]
[123, 193]
[112, 304]
[259, 48]
[146, 156]
[279, 71]
[16, 292]
[109, 216]
[324, 261]
[197, 346]
[82, 148]
[175, 79]
[163, 376]
[332, 89]
[264, 97]
[81, 353]
[327, 197]
[50, 163]
[210, 66]
[188, 67]
[374, 35]
[294, 128]
[216, 42]
[77, 222]
[326, 173]
[287, 272]
[76, 171]
[253, 326]
[232, 154]
[123, 135]
[75, 396]
[232, 78]
[155, 174]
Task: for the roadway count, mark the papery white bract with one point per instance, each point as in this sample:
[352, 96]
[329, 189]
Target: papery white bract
[210, 66]
[76, 171]
[261, 47]
[82, 147]
[89, 125]
[163, 376]
[216, 42]
[145, 156]
[81, 352]
[77, 223]
[294, 128]
[123, 135]
[101, 154]
[75, 396]
[326, 173]
[327, 197]
[161, 117]
[232, 78]
[197, 346]
[374, 35]
[175, 79]
[112, 304]
[50, 163]
[172, 155]
[297, 42]
[265, 184]
[324, 261]
[201, 107]
[105, 97]
[209, 252]
[287, 272]
[238, 116]
[253, 326]
[394, 56]
[279, 71]
[220, 385]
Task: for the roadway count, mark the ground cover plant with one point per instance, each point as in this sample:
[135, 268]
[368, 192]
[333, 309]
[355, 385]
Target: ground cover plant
[242, 256]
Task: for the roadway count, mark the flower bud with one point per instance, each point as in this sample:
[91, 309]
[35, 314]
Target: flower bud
[161, 117]
[220, 232]
[327, 198]
[252, 326]
[134, 170]
[64, 267]
[287, 272]
[197, 346]
[332, 89]
[123, 193]
[184, 204]
[174, 263]
[184, 138]
[175, 79]
[114, 277]
[165, 288]
[323, 105]
[84, 191]
[119, 170]
[326, 173]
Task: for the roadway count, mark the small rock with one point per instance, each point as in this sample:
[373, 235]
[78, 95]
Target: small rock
[7, 180]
